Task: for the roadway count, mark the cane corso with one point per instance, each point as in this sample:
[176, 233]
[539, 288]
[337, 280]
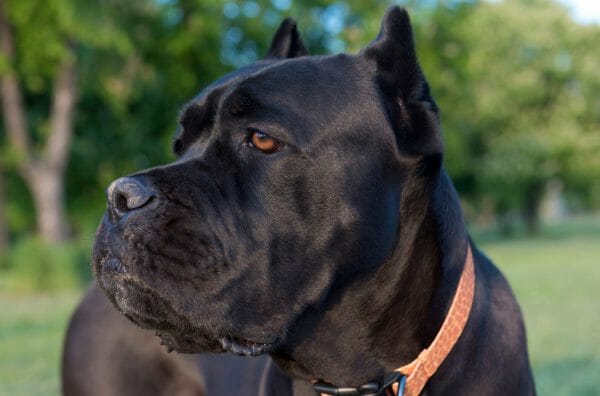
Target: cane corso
[307, 224]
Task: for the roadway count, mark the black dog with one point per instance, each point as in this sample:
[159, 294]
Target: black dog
[309, 217]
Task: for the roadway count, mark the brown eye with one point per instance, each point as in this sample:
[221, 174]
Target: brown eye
[262, 141]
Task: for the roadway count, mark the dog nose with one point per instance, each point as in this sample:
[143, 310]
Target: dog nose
[127, 194]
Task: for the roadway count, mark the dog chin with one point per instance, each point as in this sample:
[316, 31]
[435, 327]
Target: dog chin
[192, 339]
[151, 312]
[189, 343]
[148, 310]
[197, 343]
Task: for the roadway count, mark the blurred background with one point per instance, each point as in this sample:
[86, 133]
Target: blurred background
[90, 91]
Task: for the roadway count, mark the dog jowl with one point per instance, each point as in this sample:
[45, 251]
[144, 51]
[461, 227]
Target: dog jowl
[308, 216]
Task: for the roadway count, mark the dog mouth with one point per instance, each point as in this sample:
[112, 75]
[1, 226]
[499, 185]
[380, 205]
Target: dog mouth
[218, 344]
[238, 346]
[195, 340]
[145, 305]
[243, 347]
[148, 310]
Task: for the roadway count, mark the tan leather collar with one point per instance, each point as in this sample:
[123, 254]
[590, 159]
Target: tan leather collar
[426, 364]
[419, 371]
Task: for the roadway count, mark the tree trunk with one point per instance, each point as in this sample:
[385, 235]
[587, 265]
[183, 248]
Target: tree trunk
[45, 177]
[43, 172]
[46, 186]
[13, 110]
[530, 210]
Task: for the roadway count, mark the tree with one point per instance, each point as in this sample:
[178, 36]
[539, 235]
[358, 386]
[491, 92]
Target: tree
[43, 169]
[515, 83]
[39, 90]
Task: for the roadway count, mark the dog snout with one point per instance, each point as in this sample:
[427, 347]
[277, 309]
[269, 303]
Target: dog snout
[128, 194]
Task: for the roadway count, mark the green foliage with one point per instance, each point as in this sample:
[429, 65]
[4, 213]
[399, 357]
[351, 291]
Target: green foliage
[45, 30]
[517, 93]
[32, 265]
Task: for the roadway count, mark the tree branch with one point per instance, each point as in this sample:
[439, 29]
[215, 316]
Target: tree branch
[61, 117]
[13, 110]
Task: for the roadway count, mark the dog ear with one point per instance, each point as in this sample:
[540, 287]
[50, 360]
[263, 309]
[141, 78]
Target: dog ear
[287, 42]
[413, 113]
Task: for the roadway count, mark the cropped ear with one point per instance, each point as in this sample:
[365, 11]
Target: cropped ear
[412, 111]
[287, 42]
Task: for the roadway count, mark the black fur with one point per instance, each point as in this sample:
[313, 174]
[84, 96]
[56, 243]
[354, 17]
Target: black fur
[339, 253]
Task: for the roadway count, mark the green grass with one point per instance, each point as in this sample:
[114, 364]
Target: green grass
[31, 334]
[556, 277]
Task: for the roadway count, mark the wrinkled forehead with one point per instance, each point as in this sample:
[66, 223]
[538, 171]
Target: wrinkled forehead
[230, 79]
[310, 91]
[199, 113]
[308, 80]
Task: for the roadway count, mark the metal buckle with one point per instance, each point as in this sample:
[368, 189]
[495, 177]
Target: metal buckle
[401, 386]
[369, 389]
[391, 378]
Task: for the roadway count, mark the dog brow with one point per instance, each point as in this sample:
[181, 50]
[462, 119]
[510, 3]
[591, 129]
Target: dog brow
[238, 102]
[198, 116]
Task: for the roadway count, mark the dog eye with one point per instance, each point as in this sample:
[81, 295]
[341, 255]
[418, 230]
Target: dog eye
[260, 140]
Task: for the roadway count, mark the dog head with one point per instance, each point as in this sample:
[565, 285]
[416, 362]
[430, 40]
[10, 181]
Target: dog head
[288, 182]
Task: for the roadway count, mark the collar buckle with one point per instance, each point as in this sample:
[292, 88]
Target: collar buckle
[372, 388]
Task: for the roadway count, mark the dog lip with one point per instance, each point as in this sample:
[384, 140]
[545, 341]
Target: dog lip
[187, 343]
[243, 347]
[113, 266]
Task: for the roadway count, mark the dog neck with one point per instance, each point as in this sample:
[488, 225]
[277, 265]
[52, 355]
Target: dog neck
[372, 326]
